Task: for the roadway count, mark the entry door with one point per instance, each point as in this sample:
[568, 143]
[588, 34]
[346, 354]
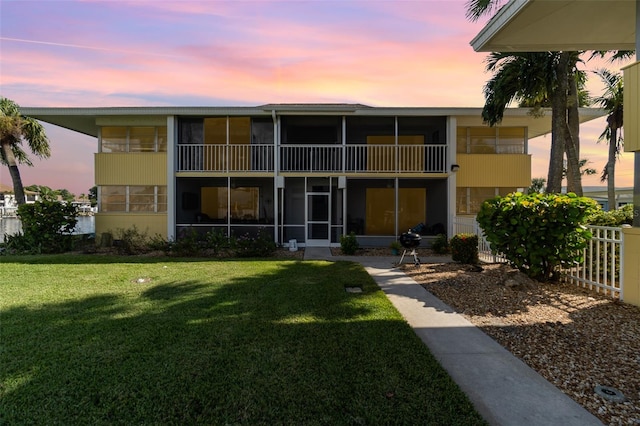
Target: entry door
[318, 219]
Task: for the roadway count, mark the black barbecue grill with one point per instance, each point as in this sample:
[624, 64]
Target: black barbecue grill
[410, 240]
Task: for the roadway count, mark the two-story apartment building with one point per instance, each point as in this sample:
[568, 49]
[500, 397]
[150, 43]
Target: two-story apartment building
[309, 172]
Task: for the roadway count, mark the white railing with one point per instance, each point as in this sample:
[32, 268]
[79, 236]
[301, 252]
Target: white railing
[224, 158]
[395, 158]
[601, 269]
[313, 158]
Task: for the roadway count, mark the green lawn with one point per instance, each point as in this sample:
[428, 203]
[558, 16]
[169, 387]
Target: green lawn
[210, 342]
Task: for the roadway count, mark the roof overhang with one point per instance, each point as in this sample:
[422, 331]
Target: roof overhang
[560, 25]
[86, 120]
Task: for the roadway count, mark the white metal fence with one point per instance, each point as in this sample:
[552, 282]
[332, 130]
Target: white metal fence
[601, 269]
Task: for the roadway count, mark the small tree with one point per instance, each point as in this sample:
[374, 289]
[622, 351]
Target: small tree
[46, 227]
[537, 185]
[538, 233]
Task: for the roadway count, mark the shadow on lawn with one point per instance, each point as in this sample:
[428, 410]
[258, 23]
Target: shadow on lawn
[286, 347]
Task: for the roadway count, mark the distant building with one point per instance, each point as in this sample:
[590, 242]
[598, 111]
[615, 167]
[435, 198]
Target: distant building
[623, 196]
[8, 204]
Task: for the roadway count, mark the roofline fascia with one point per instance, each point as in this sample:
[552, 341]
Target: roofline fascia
[496, 23]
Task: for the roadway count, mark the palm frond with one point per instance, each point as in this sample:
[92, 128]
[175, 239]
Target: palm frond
[478, 8]
[36, 137]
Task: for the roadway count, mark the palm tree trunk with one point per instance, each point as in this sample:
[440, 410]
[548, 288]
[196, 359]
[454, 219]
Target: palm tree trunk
[611, 168]
[572, 141]
[558, 124]
[574, 183]
[14, 172]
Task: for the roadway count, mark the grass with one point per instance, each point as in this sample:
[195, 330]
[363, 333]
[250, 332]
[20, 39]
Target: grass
[210, 342]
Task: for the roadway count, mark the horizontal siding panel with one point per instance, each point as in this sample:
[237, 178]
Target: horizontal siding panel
[131, 168]
[632, 108]
[152, 224]
[493, 170]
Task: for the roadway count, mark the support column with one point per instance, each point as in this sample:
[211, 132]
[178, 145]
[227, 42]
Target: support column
[636, 154]
[631, 265]
[172, 201]
[631, 236]
[452, 128]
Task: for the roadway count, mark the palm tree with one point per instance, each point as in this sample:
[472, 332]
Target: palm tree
[546, 79]
[532, 79]
[612, 101]
[14, 129]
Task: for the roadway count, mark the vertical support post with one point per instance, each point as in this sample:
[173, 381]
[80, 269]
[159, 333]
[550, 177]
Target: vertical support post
[636, 154]
[277, 228]
[451, 179]
[172, 202]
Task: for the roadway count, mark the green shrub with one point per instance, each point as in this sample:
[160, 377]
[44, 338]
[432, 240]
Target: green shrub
[158, 242]
[464, 248]
[349, 244]
[261, 245]
[216, 241]
[46, 228]
[622, 216]
[441, 244]
[131, 241]
[537, 233]
[188, 243]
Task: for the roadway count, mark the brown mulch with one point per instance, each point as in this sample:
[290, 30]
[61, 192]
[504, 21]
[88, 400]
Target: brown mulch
[576, 338]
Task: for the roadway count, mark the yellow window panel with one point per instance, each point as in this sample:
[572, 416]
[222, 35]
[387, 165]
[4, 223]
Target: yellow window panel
[240, 134]
[215, 139]
[213, 202]
[215, 130]
[380, 217]
[381, 155]
[412, 208]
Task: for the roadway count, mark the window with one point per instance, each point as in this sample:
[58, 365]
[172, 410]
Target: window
[469, 200]
[133, 199]
[113, 199]
[142, 198]
[491, 140]
[113, 139]
[511, 140]
[161, 199]
[244, 203]
[133, 139]
[142, 139]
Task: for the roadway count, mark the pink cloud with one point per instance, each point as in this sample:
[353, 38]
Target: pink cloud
[169, 52]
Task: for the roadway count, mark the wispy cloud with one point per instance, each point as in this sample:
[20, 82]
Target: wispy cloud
[79, 46]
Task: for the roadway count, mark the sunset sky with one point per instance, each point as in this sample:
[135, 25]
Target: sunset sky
[223, 53]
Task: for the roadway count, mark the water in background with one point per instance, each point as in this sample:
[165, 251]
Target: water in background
[12, 225]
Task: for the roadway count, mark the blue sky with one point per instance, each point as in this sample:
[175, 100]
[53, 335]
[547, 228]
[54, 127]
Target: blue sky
[148, 53]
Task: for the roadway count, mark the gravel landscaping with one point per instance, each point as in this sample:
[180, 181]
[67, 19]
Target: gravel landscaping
[577, 339]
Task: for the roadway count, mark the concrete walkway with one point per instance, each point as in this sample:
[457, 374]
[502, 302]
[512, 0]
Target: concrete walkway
[503, 389]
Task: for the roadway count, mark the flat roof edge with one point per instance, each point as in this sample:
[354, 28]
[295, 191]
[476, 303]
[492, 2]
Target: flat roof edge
[495, 24]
